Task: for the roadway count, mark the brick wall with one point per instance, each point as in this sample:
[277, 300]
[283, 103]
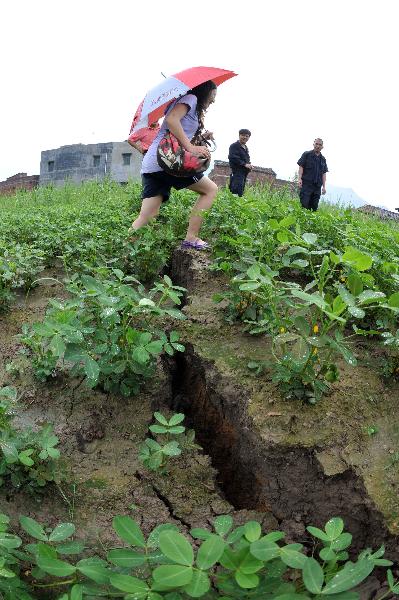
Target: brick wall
[220, 174]
[383, 213]
[18, 182]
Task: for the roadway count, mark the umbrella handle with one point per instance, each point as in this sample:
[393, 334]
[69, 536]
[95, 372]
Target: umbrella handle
[211, 143]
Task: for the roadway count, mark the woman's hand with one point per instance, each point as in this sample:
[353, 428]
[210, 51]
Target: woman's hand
[200, 151]
[208, 135]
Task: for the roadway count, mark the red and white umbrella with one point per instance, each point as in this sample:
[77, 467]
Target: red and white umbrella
[152, 108]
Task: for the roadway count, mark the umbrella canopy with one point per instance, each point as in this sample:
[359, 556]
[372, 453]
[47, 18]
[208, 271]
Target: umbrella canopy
[156, 100]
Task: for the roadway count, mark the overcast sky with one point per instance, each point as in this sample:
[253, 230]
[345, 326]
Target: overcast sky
[75, 71]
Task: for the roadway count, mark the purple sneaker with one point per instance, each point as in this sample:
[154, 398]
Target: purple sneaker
[196, 245]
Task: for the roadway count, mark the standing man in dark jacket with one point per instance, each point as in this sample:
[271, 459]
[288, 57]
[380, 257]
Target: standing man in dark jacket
[240, 163]
[312, 175]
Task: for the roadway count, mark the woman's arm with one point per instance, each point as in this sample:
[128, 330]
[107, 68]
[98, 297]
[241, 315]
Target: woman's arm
[173, 120]
[137, 146]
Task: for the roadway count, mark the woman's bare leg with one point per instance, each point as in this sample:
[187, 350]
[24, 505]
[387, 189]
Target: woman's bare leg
[149, 210]
[207, 190]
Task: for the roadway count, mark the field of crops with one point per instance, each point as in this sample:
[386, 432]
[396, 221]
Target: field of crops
[89, 323]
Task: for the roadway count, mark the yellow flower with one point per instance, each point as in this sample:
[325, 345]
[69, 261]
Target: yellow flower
[282, 329]
[316, 329]
[343, 278]
[315, 351]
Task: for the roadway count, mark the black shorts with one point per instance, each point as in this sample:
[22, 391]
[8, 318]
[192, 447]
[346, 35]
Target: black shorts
[160, 183]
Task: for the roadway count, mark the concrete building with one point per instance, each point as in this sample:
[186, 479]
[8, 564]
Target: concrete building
[82, 162]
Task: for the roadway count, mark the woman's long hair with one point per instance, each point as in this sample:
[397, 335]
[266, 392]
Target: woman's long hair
[202, 92]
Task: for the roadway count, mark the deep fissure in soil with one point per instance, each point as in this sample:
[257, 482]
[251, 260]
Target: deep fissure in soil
[260, 475]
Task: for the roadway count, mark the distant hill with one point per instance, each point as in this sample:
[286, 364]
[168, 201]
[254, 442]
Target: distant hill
[341, 195]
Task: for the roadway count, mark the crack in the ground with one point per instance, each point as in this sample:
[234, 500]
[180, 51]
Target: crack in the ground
[164, 499]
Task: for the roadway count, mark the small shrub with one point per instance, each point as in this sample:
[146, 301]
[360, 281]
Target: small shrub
[110, 332]
[28, 459]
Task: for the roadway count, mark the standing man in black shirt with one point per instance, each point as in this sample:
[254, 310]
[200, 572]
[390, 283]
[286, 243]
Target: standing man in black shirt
[312, 176]
[240, 163]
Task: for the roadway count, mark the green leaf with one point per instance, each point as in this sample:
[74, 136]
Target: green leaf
[176, 548]
[223, 524]
[155, 347]
[176, 419]
[128, 530]
[334, 527]
[313, 576]
[199, 533]
[360, 260]
[252, 531]
[235, 535]
[54, 566]
[140, 355]
[287, 221]
[210, 552]
[310, 238]
[77, 592]
[177, 429]
[327, 554]
[24, 457]
[369, 296]
[9, 541]
[310, 298]
[158, 429]
[145, 338]
[338, 306]
[283, 236]
[198, 586]
[346, 295]
[253, 272]
[249, 286]
[62, 532]
[249, 564]
[355, 284]
[300, 263]
[274, 536]
[33, 528]
[393, 300]
[10, 452]
[171, 449]
[153, 538]
[349, 577]
[94, 568]
[342, 542]
[265, 549]
[126, 558]
[302, 325]
[57, 346]
[6, 573]
[292, 558]
[356, 312]
[246, 581]
[127, 583]
[173, 575]
[91, 368]
[160, 418]
[74, 547]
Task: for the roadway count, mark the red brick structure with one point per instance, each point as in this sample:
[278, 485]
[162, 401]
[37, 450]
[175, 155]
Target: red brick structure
[383, 213]
[220, 174]
[20, 181]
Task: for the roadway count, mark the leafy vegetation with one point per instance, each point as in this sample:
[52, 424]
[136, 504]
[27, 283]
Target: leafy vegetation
[229, 562]
[28, 459]
[108, 332]
[156, 453]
